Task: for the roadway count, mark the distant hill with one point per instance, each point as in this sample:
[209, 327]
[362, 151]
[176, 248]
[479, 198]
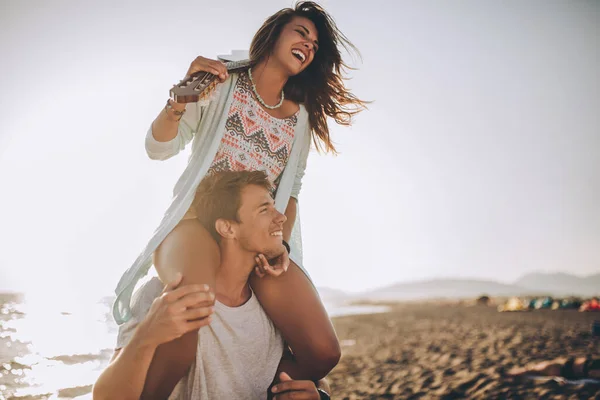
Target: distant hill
[442, 288]
[561, 284]
[533, 284]
[332, 295]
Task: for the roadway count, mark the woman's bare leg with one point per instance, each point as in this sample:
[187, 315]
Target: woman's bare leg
[190, 250]
[294, 306]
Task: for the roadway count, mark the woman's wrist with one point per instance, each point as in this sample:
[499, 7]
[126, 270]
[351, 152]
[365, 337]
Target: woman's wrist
[176, 106]
[174, 110]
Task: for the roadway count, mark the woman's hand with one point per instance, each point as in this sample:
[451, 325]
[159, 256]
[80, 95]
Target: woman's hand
[280, 265]
[207, 65]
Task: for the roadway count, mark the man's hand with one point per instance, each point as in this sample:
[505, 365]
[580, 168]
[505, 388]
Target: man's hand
[177, 311]
[288, 389]
[280, 265]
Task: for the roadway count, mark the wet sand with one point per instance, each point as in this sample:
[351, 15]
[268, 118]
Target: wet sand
[429, 351]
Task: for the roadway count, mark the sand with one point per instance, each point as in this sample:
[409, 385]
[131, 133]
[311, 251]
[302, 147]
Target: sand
[428, 351]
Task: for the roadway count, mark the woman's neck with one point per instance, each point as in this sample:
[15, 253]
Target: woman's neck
[269, 81]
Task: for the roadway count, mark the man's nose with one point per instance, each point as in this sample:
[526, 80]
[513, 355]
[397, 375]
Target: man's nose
[280, 218]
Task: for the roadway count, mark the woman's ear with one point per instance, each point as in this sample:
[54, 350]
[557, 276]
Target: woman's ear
[225, 228]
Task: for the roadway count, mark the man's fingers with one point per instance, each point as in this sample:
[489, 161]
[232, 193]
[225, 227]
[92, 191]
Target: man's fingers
[195, 299]
[183, 291]
[195, 325]
[289, 386]
[301, 395]
[197, 313]
[284, 377]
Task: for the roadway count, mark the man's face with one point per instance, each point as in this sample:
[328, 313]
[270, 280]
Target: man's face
[260, 229]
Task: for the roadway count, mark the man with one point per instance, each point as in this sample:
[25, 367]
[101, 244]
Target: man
[239, 349]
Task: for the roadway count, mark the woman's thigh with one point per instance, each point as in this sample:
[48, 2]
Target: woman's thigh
[190, 250]
[294, 306]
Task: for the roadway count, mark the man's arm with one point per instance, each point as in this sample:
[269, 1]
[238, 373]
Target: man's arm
[174, 313]
[124, 377]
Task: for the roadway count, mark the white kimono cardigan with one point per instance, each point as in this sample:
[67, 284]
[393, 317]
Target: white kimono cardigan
[205, 123]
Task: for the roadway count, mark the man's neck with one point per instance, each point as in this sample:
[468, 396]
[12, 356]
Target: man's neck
[232, 288]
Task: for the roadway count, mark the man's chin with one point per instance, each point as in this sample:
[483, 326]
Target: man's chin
[274, 252]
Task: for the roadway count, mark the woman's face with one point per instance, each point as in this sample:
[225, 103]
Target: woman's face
[297, 44]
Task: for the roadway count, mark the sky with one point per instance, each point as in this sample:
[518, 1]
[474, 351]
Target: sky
[479, 156]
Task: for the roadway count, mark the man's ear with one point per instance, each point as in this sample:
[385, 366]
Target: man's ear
[225, 228]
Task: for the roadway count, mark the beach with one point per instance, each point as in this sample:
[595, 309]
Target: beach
[426, 350]
[456, 351]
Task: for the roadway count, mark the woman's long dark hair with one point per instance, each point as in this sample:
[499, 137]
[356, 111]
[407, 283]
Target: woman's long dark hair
[320, 87]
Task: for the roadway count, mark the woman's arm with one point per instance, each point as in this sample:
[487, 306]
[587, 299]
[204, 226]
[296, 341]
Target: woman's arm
[290, 213]
[170, 131]
[168, 135]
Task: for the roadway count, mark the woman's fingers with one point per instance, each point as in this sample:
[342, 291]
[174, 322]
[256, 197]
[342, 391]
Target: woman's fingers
[207, 65]
[258, 272]
[273, 270]
[260, 264]
[220, 68]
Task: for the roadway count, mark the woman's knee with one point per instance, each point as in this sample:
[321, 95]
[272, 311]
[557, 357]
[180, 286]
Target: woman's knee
[190, 250]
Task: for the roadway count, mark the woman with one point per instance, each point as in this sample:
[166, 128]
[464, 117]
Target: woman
[262, 118]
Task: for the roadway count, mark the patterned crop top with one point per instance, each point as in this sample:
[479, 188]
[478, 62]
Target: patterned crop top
[254, 140]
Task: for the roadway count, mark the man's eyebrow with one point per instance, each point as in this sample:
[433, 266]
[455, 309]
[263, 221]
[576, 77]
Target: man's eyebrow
[307, 32]
[265, 204]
